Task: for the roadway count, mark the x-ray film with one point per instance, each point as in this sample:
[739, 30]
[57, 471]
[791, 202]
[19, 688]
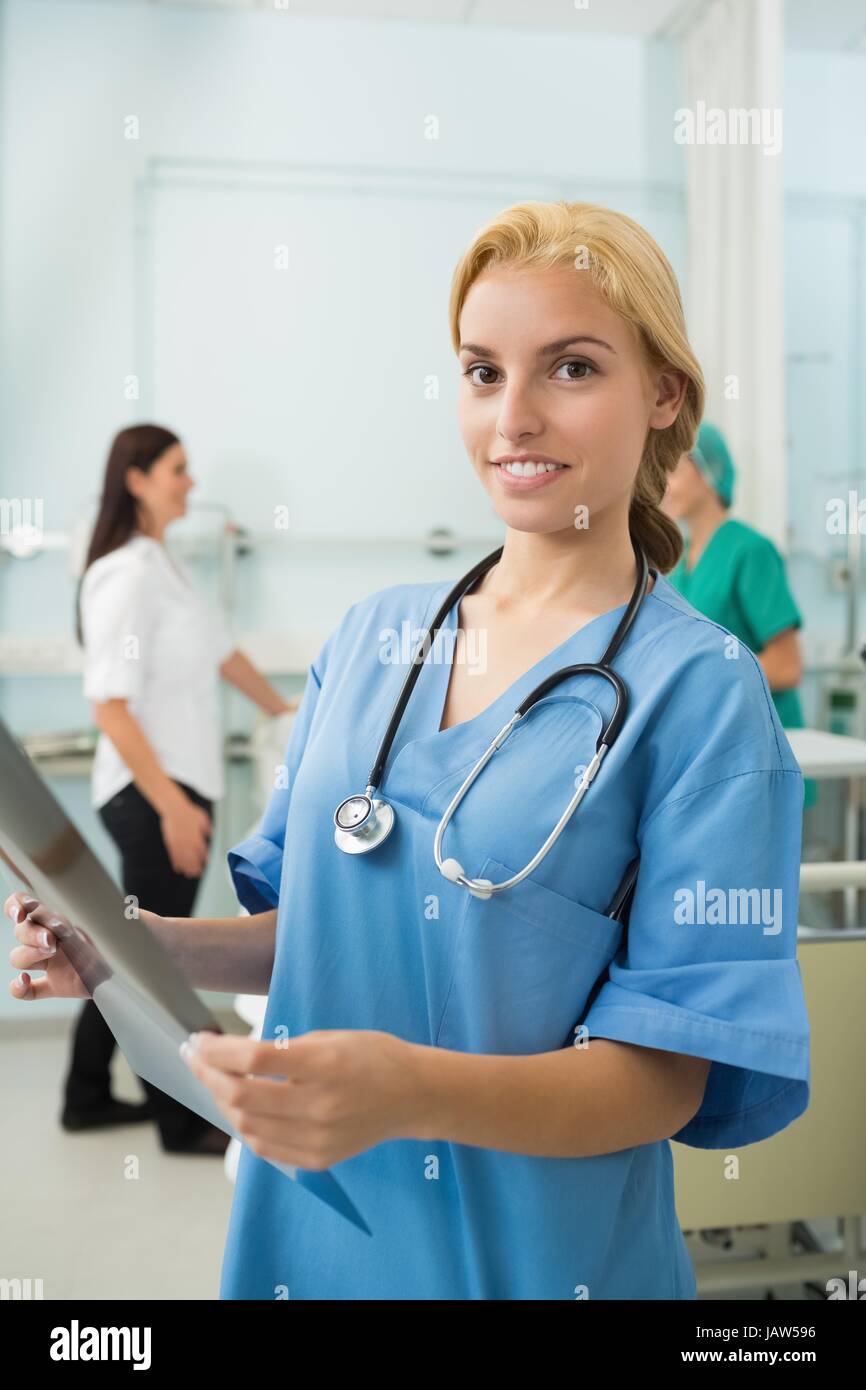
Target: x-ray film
[147, 1002]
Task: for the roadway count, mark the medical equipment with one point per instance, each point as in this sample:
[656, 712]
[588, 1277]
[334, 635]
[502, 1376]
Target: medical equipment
[362, 823]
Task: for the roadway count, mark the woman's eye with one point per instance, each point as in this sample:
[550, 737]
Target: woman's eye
[582, 372]
[586, 369]
[479, 367]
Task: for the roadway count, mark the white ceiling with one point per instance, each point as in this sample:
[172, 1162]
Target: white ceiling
[636, 17]
[829, 25]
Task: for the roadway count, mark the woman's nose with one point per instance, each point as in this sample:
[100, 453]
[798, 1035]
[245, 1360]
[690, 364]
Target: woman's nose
[517, 416]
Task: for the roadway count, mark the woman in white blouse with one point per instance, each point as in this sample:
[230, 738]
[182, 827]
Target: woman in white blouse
[154, 650]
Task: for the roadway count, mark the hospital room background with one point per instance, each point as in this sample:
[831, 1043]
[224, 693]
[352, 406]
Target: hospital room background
[240, 220]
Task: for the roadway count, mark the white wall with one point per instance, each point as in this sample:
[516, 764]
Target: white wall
[825, 116]
[154, 257]
[233, 108]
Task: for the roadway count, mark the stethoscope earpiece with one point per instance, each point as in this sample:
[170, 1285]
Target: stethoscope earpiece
[453, 870]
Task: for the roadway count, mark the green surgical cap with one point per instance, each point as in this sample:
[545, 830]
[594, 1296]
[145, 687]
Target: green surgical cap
[712, 457]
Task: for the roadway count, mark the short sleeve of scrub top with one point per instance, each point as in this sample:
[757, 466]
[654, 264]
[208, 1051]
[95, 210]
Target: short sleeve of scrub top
[763, 591]
[701, 783]
[709, 965]
[255, 864]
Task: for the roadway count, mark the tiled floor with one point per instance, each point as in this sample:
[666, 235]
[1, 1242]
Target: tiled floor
[70, 1215]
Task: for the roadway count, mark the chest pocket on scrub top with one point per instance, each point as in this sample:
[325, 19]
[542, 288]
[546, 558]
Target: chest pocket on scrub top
[525, 963]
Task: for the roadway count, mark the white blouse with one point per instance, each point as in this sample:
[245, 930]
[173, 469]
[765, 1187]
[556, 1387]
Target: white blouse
[151, 639]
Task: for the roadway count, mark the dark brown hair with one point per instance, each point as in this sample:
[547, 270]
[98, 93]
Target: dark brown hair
[139, 446]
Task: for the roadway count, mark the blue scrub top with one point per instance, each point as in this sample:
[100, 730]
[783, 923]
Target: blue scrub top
[701, 783]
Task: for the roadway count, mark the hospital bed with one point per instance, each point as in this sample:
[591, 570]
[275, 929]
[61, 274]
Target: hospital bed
[813, 1169]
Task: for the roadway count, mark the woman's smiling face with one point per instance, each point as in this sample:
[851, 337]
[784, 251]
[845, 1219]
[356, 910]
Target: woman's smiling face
[549, 370]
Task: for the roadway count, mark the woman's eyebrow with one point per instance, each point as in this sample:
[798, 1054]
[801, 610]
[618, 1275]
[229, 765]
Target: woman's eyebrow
[559, 346]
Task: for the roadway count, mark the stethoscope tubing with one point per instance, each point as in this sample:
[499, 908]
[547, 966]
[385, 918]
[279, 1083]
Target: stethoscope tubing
[370, 832]
[461, 588]
[420, 655]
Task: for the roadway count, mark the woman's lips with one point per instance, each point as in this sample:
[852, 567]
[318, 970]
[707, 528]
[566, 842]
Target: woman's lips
[512, 484]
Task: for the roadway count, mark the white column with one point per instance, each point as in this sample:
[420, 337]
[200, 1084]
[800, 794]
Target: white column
[731, 63]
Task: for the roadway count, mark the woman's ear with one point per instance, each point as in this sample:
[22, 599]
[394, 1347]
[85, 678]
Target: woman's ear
[132, 478]
[669, 387]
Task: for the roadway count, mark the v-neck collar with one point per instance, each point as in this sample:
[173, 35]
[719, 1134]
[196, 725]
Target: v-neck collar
[421, 749]
[168, 562]
[505, 704]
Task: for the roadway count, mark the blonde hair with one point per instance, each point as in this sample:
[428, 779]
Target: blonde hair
[636, 280]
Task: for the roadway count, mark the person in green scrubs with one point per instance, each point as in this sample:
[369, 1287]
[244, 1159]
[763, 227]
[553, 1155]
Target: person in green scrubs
[735, 575]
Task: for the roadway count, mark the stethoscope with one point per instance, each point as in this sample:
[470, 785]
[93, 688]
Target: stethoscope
[362, 822]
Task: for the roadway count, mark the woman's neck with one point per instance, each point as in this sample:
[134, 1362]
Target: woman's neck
[703, 522]
[595, 572]
[151, 535]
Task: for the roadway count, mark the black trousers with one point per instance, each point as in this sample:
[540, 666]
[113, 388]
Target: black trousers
[147, 872]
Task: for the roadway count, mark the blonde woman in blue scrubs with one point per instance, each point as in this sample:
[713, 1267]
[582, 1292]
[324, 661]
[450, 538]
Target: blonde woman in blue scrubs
[417, 1040]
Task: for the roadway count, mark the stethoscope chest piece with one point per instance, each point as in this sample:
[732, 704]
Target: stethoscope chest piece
[361, 824]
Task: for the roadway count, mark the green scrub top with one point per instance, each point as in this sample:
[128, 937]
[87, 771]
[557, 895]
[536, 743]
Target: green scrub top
[739, 581]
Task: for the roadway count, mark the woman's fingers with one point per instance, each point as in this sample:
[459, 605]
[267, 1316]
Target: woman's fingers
[38, 946]
[30, 957]
[38, 942]
[30, 933]
[188, 855]
[22, 987]
[17, 907]
[35, 929]
[12, 907]
[18, 903]
[39, 950]
[196, 859]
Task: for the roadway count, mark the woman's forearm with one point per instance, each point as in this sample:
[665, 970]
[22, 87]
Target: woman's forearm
[113, 718]
[222, 953]
[782, 661]
[240, 672]
[573, 1103]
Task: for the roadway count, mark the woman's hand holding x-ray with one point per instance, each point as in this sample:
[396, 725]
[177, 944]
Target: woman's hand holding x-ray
[38, 951]
[313, 1100]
